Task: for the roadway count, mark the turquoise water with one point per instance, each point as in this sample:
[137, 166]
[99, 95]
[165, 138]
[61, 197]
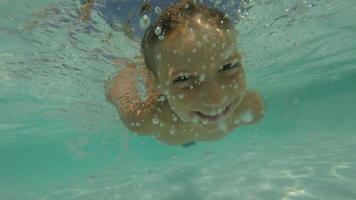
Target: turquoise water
[60, 139]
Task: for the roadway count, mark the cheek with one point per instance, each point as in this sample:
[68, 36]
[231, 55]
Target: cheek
[182, 93]
[237, 81]
[242, 82]
[182, 99]
[181, 108]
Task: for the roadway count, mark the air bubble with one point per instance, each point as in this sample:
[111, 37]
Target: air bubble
[158, 30]
[202, 78]
[174, 117]
[247, 116]
[199, 44]
[161, 37]
[194, 50]
[172, 130]
[195, 119]
[184, 119]
[158, 10]
[159, 110]
[166, 92]
[162, 98]
[223, 126]
[181, 96]
[155, 121]
[159, 56]
[205, 122]
[144, 22]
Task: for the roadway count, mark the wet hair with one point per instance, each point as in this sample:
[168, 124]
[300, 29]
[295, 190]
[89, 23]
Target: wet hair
[173, 18]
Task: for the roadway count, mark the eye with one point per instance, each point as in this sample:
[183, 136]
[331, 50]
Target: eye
[230, 66]
[181, 79]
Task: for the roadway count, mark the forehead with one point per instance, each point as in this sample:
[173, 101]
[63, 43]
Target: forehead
[195, 45]
[193, 36]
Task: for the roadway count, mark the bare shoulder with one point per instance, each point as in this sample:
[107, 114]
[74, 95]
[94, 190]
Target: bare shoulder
[115, 86]
[135, 108]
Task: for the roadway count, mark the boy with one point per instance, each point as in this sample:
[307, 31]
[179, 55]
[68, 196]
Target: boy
[194, 82]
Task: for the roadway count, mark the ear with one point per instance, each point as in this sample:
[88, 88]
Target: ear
[155, 81]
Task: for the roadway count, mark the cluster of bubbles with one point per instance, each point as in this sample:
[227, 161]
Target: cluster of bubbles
[145, 20]
[235, 10]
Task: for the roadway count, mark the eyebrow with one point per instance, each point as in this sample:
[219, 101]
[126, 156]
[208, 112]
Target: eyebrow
[234, 56]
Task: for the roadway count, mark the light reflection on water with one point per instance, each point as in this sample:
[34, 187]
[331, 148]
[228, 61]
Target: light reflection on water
[295, 171]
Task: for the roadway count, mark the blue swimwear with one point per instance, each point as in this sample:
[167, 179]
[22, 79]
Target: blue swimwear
[116, 12]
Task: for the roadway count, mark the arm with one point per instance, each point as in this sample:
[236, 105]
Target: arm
[135, 113]
[122, 93]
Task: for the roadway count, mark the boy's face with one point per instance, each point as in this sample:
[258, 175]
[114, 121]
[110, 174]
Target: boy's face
[199, 70]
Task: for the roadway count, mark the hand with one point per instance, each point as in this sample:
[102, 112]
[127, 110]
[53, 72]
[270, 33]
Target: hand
[250, 110]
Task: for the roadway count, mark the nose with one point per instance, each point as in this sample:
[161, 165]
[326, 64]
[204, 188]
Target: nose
[214, 96]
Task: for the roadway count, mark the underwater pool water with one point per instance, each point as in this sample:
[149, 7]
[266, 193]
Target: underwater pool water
[60, 139]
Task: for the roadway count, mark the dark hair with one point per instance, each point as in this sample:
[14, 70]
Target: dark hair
[175, 16]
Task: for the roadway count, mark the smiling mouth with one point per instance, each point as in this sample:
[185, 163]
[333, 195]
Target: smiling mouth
[215, 115]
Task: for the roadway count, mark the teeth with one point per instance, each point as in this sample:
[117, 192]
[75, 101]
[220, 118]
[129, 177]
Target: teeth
[215, 112]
